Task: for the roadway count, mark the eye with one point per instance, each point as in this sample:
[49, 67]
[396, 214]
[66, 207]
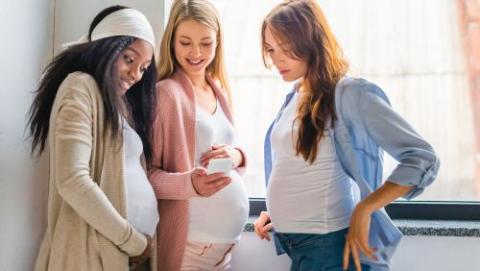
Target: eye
[185, 43]
[128, 59]
[206, 44]
[286, 49]
[269, 50]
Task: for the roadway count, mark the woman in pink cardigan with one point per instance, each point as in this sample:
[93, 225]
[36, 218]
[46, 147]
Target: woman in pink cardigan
[201, 215]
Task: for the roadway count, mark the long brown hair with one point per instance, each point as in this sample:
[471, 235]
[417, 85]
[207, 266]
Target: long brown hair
[201, 11]
[302, 25]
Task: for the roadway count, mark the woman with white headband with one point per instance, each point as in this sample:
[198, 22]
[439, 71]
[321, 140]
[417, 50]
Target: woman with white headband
[92, 111]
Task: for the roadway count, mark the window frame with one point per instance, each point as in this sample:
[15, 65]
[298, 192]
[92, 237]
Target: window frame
[412, 210]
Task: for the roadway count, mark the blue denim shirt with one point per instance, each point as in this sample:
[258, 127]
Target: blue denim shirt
[366, 125]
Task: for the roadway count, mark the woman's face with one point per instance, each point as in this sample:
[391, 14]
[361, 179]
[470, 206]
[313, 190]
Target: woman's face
[194, 46]
[291, 69]
[132, 63]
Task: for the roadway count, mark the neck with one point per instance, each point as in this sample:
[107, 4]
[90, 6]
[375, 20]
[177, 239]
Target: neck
[123, 107]
[198, 80]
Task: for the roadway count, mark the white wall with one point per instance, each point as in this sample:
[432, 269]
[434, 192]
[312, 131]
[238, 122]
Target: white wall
[415, 253]
[73, 17]
[26, 31]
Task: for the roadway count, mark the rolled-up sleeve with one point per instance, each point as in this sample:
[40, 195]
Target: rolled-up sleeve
[418, 164]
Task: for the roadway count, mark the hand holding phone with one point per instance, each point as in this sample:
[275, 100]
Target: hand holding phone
[220, 165]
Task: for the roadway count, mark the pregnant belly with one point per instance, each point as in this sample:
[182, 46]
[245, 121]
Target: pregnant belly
[223, 215]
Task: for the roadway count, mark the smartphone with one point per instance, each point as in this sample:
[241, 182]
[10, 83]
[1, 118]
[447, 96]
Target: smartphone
[220, 165]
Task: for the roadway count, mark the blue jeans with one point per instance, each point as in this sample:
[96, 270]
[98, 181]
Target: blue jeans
[316, 252]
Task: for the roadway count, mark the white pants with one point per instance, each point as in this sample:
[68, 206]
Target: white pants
[206, 256]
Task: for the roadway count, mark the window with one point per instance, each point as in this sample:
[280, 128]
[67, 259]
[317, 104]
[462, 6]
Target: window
[417, 51]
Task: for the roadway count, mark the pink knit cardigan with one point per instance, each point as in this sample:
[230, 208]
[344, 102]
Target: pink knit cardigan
[173, 159]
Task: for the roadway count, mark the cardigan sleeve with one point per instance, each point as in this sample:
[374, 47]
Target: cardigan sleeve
[169, 147]
[418, 163]
[72, 172]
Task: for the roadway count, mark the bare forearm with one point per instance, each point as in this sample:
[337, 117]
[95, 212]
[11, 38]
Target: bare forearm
[386, 194]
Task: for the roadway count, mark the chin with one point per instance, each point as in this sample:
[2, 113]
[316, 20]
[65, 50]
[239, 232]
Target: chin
[288, 79]
[193, 70]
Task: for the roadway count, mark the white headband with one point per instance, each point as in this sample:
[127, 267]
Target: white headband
[124, 22]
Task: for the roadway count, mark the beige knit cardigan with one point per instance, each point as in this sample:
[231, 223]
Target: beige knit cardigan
[87, 229]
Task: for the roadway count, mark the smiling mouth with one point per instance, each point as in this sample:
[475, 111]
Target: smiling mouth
[126, 85]
[195, 62]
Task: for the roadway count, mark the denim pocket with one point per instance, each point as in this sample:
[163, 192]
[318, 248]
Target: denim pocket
[307, 240]
[321, 243]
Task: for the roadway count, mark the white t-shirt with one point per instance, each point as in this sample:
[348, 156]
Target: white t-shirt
[221, 217]
[142, 210]
[313, 198]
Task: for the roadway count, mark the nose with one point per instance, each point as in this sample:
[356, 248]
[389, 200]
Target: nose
[135, 74]
[195, 51]
[276, 58]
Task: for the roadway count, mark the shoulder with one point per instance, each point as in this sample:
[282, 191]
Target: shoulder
[171, 97]
[220, 90]
[355, 88]
[354, 92]
[76, 99]
[169, 89]
[80, 87]
[80, 79]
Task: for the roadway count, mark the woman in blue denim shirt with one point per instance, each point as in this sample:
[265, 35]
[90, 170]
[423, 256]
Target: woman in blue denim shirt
[324, 152]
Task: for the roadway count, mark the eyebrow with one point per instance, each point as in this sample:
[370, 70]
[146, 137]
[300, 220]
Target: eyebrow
[280, 43]
[137, 53]
[204, 38]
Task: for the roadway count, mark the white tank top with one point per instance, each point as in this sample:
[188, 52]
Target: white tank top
[303, 198]
[142, 210]
[221, 217]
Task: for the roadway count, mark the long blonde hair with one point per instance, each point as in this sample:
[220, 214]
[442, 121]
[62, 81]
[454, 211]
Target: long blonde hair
[302, 25]
[201, 11]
